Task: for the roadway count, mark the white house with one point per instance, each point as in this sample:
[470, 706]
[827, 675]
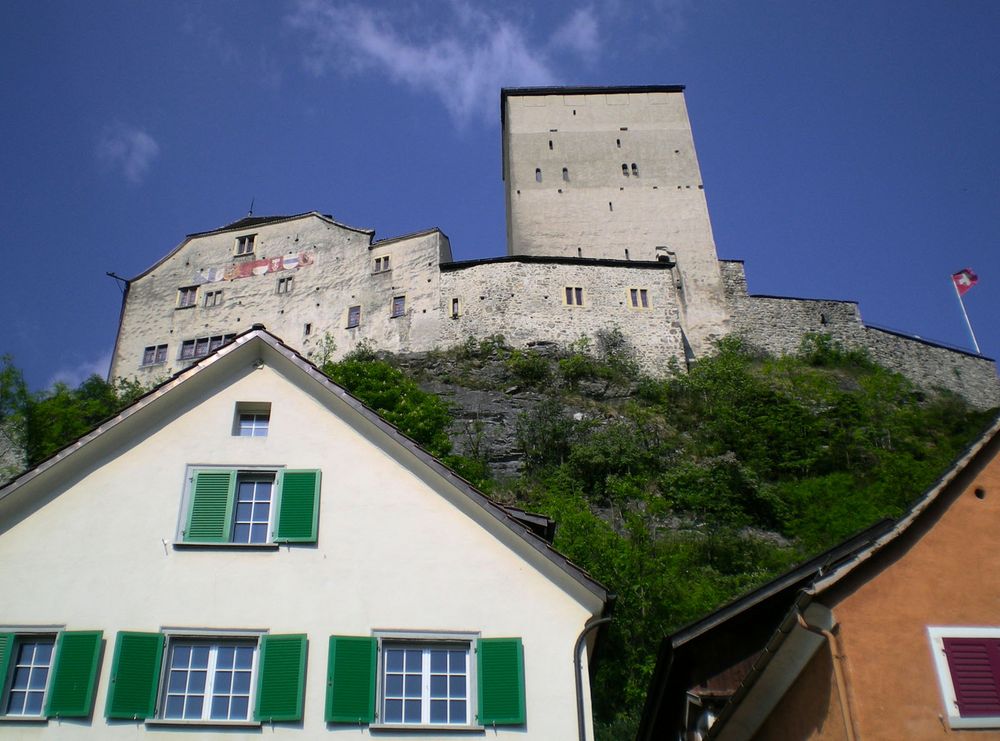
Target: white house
[248, 547]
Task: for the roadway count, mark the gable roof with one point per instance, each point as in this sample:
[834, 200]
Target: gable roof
[775, 606]
[529, 528]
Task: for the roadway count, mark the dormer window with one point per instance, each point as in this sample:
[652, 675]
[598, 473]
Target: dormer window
[244, 244]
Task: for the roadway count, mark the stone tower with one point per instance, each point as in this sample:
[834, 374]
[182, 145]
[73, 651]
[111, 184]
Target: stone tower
[612, 173]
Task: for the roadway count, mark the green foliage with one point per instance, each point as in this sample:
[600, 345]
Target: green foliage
[528, 367]
[711, 482]
[396, 398]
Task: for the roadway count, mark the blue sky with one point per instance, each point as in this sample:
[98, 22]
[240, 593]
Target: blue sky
[848, 150]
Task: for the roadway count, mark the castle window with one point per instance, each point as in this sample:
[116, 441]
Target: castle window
[353, 317]
[154, 354]
[619, 143]
[624, 169]
[381, 264]
[639, 298]
[635, 169]
[307, 329]
[244, 245]
[538, 175]
[202, 346]
[286, 284]
[565, 174]
[579, 251]
[454, 308]
[398, 306]
[574, 296]
[550, 144]
[213, 298]
[187, 297]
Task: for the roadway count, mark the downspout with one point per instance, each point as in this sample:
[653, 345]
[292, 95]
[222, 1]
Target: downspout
[590, 625]
[837, 654]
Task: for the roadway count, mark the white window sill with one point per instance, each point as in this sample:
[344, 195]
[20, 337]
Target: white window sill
[429, 727]
[184, 545]
[40, 719]
[206, 723]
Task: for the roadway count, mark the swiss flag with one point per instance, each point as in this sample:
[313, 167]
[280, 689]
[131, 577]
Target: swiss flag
[964, 280]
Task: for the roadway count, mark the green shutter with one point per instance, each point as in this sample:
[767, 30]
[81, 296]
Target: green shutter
[135, 675]
[501, 681]
[74, 674]
[298, 507]
[281, 678]
[6, 649]
[211, 515]
[350, 680]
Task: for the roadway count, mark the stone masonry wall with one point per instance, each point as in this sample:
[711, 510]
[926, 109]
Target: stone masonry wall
[778, 324]
[525, 300]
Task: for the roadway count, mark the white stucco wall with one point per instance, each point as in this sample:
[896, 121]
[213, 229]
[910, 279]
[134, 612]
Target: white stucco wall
[392, 553]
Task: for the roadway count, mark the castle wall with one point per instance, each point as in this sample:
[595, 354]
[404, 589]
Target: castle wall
[612, 173]
[778, 324]
[330, 267]
[526, 302]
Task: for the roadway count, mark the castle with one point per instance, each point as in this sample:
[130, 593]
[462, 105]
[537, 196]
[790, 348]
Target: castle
[607, 226]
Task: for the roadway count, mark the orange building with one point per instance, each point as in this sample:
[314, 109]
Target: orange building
[892, 635]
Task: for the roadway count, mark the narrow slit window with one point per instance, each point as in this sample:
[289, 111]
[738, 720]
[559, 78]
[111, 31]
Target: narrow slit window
[565, 174]
[454, 308]
[635, 170]
[538, 174]
[550, 144]
[624, 169]
[619, 143]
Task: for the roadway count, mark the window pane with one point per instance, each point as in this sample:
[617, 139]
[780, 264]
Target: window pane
[196, 681]
[33, 706]
[439, 711]
[439, 685]
[21, 677]
[241, 683]
[411, 712]
[394, 685]
[39, 675]
[175, 707]
[220, 708]
[394, 660]
[178, 680]
[239, 708]
[458, 714]
[199, 657]
[194, 707]
[413, 660]
[457, 661]
[439, 660]
[223, 682]
[244, 657]
[456, 686]
[412, 685]
[393, 711]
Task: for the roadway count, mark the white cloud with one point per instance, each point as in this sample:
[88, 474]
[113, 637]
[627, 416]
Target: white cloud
[74, 376]
[464, 61]
[579, 34]
[129, 149]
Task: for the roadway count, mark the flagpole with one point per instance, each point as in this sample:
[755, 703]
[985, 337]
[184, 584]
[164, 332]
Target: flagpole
[965, 314]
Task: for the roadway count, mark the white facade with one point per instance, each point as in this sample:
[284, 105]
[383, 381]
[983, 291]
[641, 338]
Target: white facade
[94, 540]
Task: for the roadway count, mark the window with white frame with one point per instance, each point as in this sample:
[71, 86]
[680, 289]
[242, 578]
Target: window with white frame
[381, 264]
[30, 663]
[187, 297]
[251, 506]
[426, 680]
[425, 683]
[967, 660]
[213, 298]
[154, 354]
[286, 284]
[207, 677]
[244, 244]
[48, 674]
[574, 296]
[252, 419]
